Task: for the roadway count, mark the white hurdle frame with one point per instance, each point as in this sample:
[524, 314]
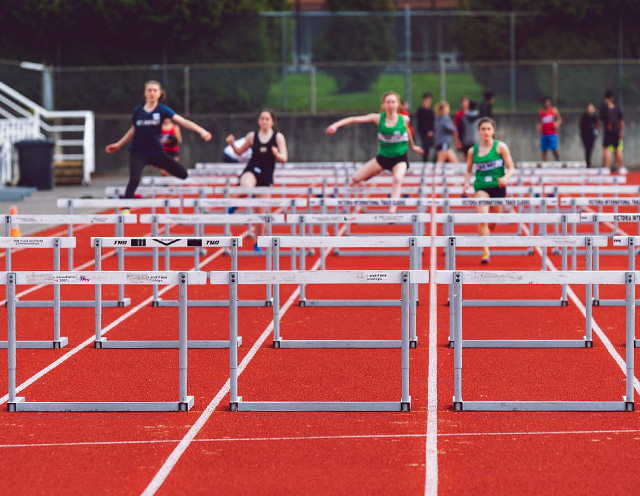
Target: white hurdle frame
[589, 242]
[155, 243]
[459, 278]
[33, 242]
[182, 279]
[201, 220]
[234, 279]
[70, 220]
[414, 244]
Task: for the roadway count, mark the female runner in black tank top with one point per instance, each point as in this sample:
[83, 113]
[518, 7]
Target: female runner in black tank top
[268, 146]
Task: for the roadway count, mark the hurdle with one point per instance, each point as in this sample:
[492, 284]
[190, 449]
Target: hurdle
[450, 220]
[154, 243]
[69, 219]
[182, 279]
[459, 278]
[221, 219]
[414, 220]
[117, 204]
[53, 243]
[155, 191]
[542, 242]
[631, 243]
[234, 279]
[326, 243]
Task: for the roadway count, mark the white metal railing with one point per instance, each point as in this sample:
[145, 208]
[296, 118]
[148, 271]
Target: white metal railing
[21, 118]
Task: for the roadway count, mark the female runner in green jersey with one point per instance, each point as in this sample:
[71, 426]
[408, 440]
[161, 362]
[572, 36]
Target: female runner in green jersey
[490, 158]
[394, 137]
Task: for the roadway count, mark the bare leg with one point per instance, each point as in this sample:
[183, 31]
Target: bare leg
[247, 180]
[368, 170]
[483, 228]
[544, 155]
[606, 163]
[399, 170]
[556, 154]
[618, 155]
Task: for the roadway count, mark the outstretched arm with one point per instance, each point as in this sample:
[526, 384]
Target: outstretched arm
[467, 174]
[192, 126]
[358, 119]
[114, 147]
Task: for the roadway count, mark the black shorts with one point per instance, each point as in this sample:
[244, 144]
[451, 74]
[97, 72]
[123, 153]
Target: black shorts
[262, 178]
[495, 192]
[388, 163]
[611, 138]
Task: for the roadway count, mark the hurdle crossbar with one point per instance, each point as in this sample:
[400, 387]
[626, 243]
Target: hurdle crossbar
[404, 278]
[459, 278]
[97, 279]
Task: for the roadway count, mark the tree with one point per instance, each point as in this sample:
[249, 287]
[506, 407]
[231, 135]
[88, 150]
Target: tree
[356, 39]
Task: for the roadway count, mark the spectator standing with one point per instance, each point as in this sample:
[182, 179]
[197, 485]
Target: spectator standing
[549, 120]
[444, 133]
[589, 124]
[468, 128]
[486, 107]
[613, 133]
[464, 108]
[426, 121]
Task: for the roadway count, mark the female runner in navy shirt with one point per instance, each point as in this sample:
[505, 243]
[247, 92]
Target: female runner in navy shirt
[144, 134]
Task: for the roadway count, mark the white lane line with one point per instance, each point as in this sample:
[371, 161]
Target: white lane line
[431, 462]
[179, 450]
[104, 331]
[321, 438]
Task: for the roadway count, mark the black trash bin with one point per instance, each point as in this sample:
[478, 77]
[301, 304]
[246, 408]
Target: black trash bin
[36, 163]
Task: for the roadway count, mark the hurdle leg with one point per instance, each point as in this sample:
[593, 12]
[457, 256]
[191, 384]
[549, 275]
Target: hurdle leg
[405, 404]
[630, 282]
[457, 341]
[564, 301]
[121, 301]
[154, 232]
[450, 264]
[186, 402]
[58, 342]
[11, 345]
[269, 261]
[276, 296]
[234, 399]
[99, 340]
[588, 339]
[413, 255]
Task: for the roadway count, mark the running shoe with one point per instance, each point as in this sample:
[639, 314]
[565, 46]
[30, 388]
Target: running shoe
[623, 170]
[256, 248]
[486, 258]
[230, 210]
[126, 211]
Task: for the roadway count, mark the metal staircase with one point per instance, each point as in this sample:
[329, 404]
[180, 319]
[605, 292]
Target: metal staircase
[72, 131]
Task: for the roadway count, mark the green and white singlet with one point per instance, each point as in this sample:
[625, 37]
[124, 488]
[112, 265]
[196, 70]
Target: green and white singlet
[394, 141]
[488, 168]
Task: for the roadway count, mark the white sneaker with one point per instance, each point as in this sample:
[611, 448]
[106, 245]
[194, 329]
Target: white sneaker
[623, 170]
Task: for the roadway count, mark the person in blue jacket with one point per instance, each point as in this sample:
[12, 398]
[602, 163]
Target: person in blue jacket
[144, 135]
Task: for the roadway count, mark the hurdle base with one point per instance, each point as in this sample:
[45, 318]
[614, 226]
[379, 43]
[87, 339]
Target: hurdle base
[523, 343]
[102, 406]
[544, 406]
[350, 303]
[211, 303]
[614, 303]
[337, 343]
[103, 343]
[72, 303]
[40, 345]
[12, 405]
[514, 303]
[636, 343]
[233, 405]
[324, 406]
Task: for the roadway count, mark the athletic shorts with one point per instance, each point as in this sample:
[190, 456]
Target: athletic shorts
[549, 142]
[495, 192]
[443, 147]
[388, 163]
[262, 178]
[611, 139]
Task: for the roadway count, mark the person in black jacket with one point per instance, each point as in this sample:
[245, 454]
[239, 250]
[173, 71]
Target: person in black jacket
[426, 119]
[589, 124]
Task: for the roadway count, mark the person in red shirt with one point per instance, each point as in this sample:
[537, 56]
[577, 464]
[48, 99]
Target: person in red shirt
[549, 121]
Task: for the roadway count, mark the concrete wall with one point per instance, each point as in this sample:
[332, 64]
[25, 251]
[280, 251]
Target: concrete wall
[308, 143]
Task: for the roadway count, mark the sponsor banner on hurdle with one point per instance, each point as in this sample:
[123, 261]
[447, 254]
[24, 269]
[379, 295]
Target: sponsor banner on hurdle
[596, 202]
[151, 242]
[32, 242]
[245, 202]
[109, 277]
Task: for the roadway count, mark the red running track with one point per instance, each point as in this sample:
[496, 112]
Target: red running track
[211, 450]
